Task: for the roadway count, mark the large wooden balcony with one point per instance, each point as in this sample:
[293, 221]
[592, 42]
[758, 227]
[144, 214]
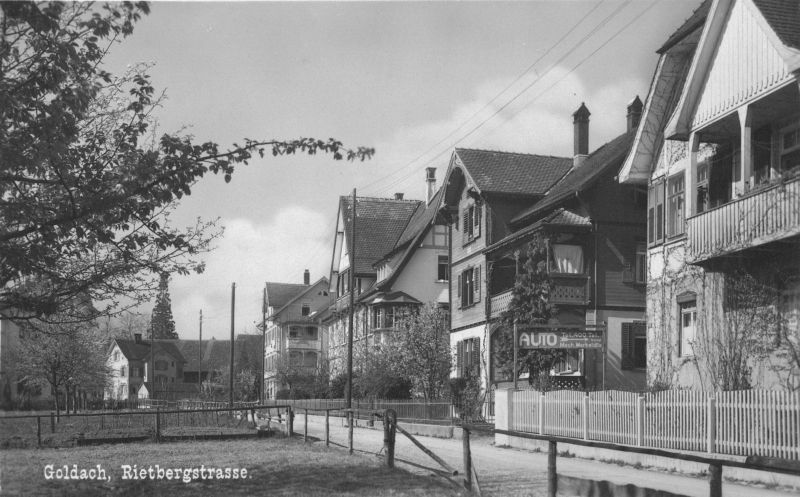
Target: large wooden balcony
[763, 216]
[570, 289]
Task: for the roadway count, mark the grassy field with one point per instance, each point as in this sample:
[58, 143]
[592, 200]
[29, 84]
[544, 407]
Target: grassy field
[275, 466]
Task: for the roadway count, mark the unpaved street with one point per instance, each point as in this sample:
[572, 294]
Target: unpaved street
[506, 471]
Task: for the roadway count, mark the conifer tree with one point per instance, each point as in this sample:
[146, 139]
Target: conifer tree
[162, 325]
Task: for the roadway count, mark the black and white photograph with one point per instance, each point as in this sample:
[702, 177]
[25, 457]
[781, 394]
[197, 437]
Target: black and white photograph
[400, 248]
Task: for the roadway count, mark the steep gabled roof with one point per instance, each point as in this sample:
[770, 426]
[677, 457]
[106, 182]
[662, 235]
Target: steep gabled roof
[784, 18]
[696, 20]
[305, 291]
[604, 160]
[424, 217]
[170, 347]
[278, 294]
[512, 174]
[379, 224]
[132, 350]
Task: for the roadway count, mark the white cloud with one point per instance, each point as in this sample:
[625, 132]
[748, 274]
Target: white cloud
[539, 121]
[250, 253]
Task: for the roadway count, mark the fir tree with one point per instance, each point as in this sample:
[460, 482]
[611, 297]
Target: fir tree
[162, 326]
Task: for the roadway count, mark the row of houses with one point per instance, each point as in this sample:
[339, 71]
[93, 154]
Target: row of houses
[649, 236]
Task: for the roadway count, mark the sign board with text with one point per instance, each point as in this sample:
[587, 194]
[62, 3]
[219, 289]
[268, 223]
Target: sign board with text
[560, 338]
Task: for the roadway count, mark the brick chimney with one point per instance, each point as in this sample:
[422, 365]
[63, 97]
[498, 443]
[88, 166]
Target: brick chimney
[634, 113]
[430, 180]
[580, 124]
[398, 196]
[306, 277]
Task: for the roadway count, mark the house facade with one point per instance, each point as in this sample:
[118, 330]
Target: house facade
[134, 363]
[294, 339]
[594, 247]
[401, 262]
[719, 151]
[483, 191]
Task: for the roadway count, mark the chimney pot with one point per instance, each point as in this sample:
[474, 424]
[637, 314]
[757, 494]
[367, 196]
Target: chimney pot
[306, 277]
[398, 196]
[580, 123]
[634, 113]
[430, 179]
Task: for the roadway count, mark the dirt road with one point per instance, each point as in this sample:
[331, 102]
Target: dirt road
[506, 471]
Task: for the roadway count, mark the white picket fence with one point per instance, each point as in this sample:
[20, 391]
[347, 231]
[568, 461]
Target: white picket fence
[750, 422]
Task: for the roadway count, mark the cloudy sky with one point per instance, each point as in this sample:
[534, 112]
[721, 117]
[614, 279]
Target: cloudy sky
[412, 80]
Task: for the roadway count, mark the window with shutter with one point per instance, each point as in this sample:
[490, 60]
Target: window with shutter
[476, 284]
[460, 359]
[655, 213]
[476, 357]
[466, 232]
[458, 286]
[476, 220]
[627, 346]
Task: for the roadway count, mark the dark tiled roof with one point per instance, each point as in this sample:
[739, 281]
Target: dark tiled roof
[694, 21]
[171, 348]
[421, 219]
[279, 294]
[560, 217]
[513, 174]
[604, 160]
[784, 17]
[217, 353]
[132, 350]
[379, 224]
[305, 291]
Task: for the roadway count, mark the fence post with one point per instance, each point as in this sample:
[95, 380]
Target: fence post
[289, 421]
[711, 424]
[640, 421]
[350, 430]
[541, 414]
[586, 416]
[327, 428]
[552, 476]
[389, 431]
[52, 422]
[715, 480]
[158, 424]
[305, 425]
[467, 458]
[38, 431]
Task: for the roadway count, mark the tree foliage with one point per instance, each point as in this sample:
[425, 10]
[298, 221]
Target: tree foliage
[66, 357]
[530, 305]
[162, 325]
[86, 185]
[424, 350]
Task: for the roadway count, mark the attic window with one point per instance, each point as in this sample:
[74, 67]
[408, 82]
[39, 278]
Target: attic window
[306, 309]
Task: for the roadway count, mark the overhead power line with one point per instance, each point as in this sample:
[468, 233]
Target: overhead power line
[569, 52]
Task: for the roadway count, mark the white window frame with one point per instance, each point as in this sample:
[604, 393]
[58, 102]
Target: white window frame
[687, 335]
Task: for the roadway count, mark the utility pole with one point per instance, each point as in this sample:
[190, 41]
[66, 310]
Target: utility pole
[200, 355]
[262, 391]
[349, 399]
[233, 307]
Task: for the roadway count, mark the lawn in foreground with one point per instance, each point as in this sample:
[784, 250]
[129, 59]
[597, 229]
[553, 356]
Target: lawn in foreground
[275, 466]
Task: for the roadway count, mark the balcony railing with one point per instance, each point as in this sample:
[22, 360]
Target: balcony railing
[763, 216]
[570, 289]
[499, 304]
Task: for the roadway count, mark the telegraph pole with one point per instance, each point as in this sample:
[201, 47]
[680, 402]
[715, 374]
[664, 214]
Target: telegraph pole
[233, 307]
[349, 392]
[200, 355]
[262, 391]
